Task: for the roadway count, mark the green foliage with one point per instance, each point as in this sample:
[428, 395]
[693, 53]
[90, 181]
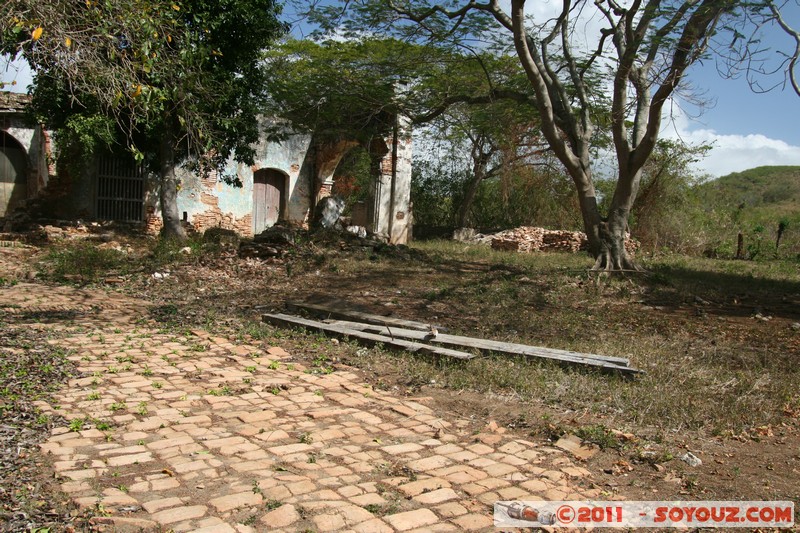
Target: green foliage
[748, 202]
[80, 137]
[187, 72]
[667, 212]
[352, 177]
[334, 89]
[437, 190]
[600, 435]
[760, 186]
[167, 251]
[525, 195]
[354, 88]
[529, 196]
[84, 261]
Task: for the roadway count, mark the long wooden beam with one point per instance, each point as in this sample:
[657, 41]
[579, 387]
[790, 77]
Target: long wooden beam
[358, 319]
[487, 346]
[279, 319]
[325, 311]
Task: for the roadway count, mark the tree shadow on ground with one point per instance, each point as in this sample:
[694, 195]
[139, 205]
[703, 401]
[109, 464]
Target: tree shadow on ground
[723, 293]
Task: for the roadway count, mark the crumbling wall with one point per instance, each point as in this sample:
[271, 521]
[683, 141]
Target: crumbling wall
[206, 201]
[401, 213]
[209, 201]
[327, 157]
[391, 199]
[38, 149]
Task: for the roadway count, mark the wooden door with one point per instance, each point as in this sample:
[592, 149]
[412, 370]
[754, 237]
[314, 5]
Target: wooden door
[13, 174]
[268, 187]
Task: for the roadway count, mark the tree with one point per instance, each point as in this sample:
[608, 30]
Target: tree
[794, 56]
[499, 137]
[355, 87]
[662, 214]
[646, 45]
[479, 101]
[745, 52]
[180, 79]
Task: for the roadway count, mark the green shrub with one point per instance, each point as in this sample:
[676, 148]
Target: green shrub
[86, 262]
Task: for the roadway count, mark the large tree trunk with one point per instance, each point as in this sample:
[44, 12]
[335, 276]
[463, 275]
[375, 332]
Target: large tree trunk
[612, 254]
[480, 166]
[169, 189]
[469, 196]
[606, 236]
[469, 199]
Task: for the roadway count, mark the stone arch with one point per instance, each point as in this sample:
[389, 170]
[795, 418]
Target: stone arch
[14, 171]
[329, 155]
[353, 180]
[270, 186]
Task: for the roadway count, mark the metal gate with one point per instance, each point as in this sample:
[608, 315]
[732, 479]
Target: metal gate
[120, 190]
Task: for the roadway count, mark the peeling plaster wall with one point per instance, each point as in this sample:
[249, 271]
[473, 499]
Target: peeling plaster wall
[36, 143]
[402, 213]
[294, 157]
[210, 202]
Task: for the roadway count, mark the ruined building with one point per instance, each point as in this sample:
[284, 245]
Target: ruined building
[25, 162]
[286, 182]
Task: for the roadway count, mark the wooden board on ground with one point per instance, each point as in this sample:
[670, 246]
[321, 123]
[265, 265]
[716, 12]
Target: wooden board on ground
[326, 311]
[279, 319]
[609, 364]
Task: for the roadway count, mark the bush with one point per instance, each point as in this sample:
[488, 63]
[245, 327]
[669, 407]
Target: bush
[86, 262]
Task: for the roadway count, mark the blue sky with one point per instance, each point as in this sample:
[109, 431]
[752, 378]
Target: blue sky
[747, 129]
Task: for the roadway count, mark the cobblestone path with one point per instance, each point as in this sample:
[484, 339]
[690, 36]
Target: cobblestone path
[198, 433]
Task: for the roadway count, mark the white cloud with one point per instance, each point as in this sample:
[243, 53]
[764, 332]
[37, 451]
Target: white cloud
[732, 152]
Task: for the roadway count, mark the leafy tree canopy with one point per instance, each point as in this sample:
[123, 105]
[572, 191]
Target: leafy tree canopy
[180, 78]
[190, 67]
[354, 87]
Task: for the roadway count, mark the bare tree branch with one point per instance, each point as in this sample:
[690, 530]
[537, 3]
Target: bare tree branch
[794, 34]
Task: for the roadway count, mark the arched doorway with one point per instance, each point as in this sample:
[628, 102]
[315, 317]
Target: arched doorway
[269, 191]
[13, 174]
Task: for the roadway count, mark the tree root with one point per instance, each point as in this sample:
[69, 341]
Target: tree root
[607, 262]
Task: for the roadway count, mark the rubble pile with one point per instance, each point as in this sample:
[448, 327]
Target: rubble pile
[527, 239]
[563, 241]
[275, 241]
[530, 239]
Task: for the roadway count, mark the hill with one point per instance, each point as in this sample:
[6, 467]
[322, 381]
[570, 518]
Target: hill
[777, 186]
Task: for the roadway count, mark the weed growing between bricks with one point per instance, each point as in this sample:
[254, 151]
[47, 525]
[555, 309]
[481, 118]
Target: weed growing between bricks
[31, 370]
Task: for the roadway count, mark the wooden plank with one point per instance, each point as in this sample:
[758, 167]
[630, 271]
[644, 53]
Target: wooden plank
[335, 330]
[481, 344]
[612, 364]
[349, 318]
[326, 311]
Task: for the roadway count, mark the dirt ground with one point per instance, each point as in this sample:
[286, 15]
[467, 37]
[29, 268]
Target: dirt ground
[690, 315]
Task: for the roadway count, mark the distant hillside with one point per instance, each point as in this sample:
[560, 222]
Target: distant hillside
[758, 187]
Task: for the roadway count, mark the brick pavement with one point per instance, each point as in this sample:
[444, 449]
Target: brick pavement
[198, 433]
